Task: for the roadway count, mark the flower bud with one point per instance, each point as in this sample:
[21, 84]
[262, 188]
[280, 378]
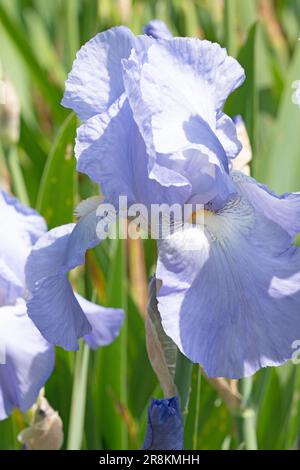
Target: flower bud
[46, 431]
[164, 425]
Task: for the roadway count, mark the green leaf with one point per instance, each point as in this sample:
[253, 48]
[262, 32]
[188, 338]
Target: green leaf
[283, 172]
[56, 195]
[111, 372]
[18, 36]
[76, 425]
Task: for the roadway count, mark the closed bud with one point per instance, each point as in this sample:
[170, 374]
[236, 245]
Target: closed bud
[164, 425]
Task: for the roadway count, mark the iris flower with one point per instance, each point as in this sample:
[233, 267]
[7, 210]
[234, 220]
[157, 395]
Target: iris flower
[27, 359]
[154, 130]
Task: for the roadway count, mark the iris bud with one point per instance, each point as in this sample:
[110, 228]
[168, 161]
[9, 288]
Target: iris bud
[164, 425]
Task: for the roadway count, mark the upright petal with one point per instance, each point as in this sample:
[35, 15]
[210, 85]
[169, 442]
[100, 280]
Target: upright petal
[283, 209]
[111, 151]
[157, 29]
[29, 360]
[174, 115]
[230, 296]
[164, 425]
[95, 80]
[105, 322]
[19, 230]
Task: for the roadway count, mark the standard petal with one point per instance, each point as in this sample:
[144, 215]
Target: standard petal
[283, 209]
[111, 151]
[178, 115]
[164, 425]
[230, 296]
[95, 80]
[105, 322]
[28, 360]
[52, 305]
[20, 229]
[181, 110]
[157, 29]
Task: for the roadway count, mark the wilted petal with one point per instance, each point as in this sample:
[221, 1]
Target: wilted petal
[283, 209]
[164, 425]
[29, 360]
[157, 29]
[105, 322]
[230, 294]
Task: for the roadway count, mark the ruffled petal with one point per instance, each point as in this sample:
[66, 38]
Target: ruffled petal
[174, 115]
[157, 29]
[20, 229]
[111, 151]
[283, 209]
[28, 357]
[164, 425]
[95, 80]
[105, 322]
[230, 296]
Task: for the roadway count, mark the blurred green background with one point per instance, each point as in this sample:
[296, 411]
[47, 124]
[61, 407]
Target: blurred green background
[102, 396]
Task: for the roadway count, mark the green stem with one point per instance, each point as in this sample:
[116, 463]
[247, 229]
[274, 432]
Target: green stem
[246, 421]
[76, 426]
[13, 164]
[183, 376]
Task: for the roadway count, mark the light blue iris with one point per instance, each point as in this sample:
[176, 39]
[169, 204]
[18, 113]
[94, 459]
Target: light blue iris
[28, 359]
[155, 131]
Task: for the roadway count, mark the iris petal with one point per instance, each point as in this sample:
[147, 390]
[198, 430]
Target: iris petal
[95, 80]
[111, 151]
[230, 293]
[20, 229]
[29, 360]
[283, 209]
[177, 114]
[52, 304]
[105, 322]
